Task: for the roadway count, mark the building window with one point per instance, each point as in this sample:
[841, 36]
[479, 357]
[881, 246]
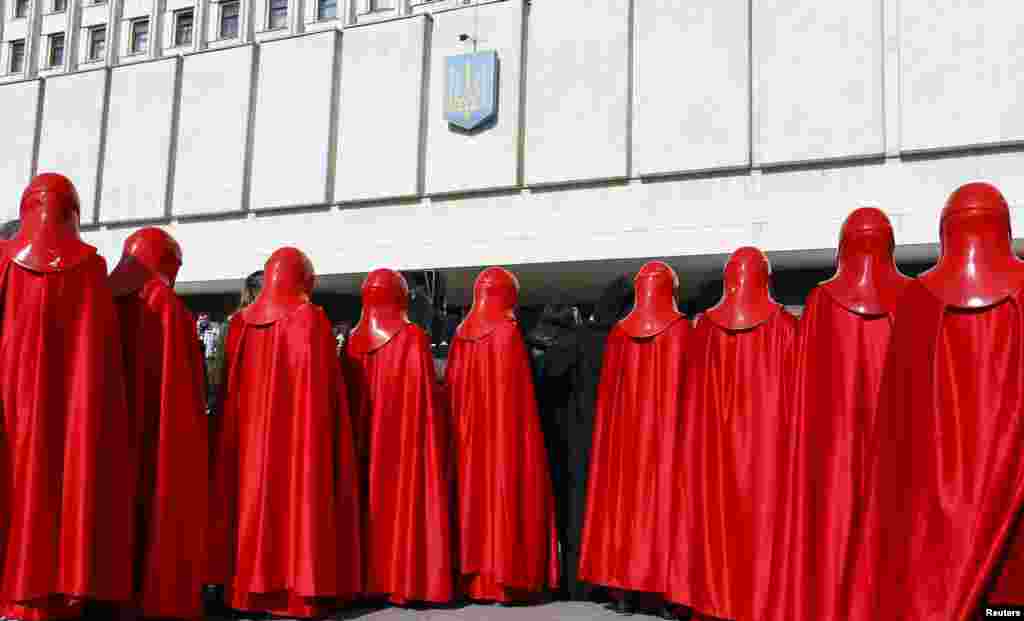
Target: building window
[183, 21]
[278, 17]
[17, 64]
[59, 6]
[229, 20]
[139, 37]
[373, 6]
[56, 57]
[327, 9]
[20, 8]
[97, 42]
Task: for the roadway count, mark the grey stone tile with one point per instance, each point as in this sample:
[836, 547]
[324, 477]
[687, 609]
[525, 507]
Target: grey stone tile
[556, 611]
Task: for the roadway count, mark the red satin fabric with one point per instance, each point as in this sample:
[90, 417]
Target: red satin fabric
[634, 462]
[950, 471]
[68, 473]
[508, 546]
[288, 533]
[838, 373]
[164, 385]
[403, 445]
[735, 443]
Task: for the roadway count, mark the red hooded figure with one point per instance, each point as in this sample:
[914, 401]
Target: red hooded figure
[287, 534]
[639, 412]
[403, 444]
[67, 465]
[948, 482]
[734, 449]
[164, 382]
[508, 545]
[844, 336]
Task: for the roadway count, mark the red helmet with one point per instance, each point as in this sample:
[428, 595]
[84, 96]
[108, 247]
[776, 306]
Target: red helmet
[48, 240]
[288, 281]
[384, 287]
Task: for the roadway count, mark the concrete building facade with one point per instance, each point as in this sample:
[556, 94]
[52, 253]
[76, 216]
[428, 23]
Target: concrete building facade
[625, 129]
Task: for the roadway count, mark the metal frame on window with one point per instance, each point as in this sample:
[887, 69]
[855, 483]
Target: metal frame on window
[51, 62]
[133, 36]
[18, 43]
[319, 10]
[270, 13]
[238, 19]
[91, 42]
[190, 11]
[374, 6]
[16, 7]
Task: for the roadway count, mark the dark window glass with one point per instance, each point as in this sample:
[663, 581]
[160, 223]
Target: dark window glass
[228, 20]
[97, 42]
[278, 17]
[56, 58]
[183, 21]
[17, 56]
[327, 9]
[140, 36]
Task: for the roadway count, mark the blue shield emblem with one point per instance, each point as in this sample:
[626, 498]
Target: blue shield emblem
[471, 97]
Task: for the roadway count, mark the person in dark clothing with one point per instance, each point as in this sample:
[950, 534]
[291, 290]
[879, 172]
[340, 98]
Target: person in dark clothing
[554, 356]
[213, 595]
[614, 304]
[10, 229]
[250, 289]
[567, 356]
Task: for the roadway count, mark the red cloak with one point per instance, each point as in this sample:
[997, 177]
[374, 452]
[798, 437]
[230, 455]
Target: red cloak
[403, 445]
[68, 470]
[949, 475]
[164, 384]
[838, 372]
[630, 489]
[287, 534]
[735, 442]
[508, 545]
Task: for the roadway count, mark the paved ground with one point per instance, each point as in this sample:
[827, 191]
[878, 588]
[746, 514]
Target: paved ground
[575, 611]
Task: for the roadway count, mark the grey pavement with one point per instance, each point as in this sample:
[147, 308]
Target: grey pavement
[576, 611]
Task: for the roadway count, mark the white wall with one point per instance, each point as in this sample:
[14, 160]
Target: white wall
[692, 91]
[961, 68]
[73, 115]
[782, 211]
[135, 169]
[458, 161]
[18, 128]
[380, 111]
[696, 126]
[577, 91]
[291, 138]
[818, 80]
[212, 132]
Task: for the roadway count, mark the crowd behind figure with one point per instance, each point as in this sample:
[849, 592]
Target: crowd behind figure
[9, 229]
